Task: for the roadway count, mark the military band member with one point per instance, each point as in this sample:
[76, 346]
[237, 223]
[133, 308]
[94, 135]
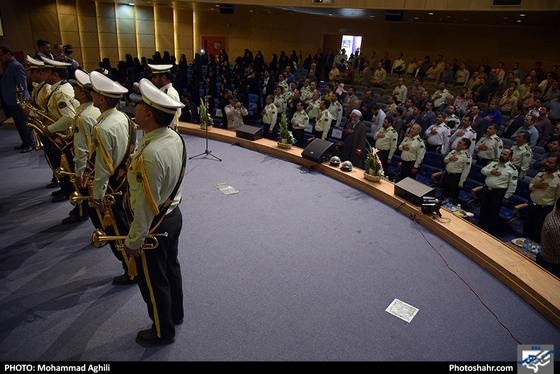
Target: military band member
[163, 79]
[545, 191]
[300, 122]
[500, 184]
[521, 153]
[386, 139]
[457, 168]
[154, 179]
[83, 124]
[114, 138]
[61, 107]
[41, 89]
[489, 147]
[412, 154]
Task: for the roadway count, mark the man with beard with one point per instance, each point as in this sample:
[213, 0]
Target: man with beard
[501, 182]
[545, 188]
[354, 149]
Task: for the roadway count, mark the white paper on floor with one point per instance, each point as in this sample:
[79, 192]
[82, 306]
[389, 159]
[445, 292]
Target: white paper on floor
[402, 310]
[226, 188]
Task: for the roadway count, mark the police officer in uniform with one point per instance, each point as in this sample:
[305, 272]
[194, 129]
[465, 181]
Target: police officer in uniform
[500, 184]
[545, 187]
[114, 138]
[437, 135]
[83, 124]
[489, 147]
[521, 153]
[412, 152]
[61, 107]
[386, 139]
[162, 78]
[269, 118]
[300, 122]
[154, 187]
[323, 121]
[458, 165]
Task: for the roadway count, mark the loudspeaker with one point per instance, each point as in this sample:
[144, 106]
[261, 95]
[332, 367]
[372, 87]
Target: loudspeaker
[249, 132]
[411, 189]
[393, 15]
[318, 150]
[227, 9]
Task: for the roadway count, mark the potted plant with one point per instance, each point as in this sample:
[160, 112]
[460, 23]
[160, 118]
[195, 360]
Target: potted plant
[286, 138]
[373, 168]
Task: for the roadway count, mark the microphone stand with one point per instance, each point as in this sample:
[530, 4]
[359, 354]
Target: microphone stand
[206, 151]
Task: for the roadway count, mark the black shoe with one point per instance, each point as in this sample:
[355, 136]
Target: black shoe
[149, 337]
[56, 193]
[29, 148]
[21, 146]
[123, 280]
[53, 184]
[178, 321]
[60, 197]
[72, 218]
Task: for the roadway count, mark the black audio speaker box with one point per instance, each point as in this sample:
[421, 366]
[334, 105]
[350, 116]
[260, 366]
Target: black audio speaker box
[411, 189]
[318, 150]
[249, 132]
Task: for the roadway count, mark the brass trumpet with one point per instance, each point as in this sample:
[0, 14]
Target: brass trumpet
[76, 199]
[43, 119]
[99, 239]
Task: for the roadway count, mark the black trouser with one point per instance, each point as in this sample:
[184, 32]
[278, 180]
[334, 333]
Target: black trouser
[490, 205]
[20, 121]
[450, 186]
[299, 136]
[553, 268]
[406, 170]
[433, 148]
[159, 277]
[483, 161]
[266, 128]
[534, 221]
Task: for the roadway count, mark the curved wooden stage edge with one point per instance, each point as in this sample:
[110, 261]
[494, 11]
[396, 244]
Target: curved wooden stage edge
[535, 285]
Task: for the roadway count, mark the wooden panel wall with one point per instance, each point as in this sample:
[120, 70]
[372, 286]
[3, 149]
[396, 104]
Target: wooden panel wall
[100, 30]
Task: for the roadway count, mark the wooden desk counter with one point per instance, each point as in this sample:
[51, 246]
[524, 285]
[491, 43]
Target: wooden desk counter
[535, 285]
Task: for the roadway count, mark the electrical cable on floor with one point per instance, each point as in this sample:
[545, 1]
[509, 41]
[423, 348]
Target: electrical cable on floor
[464, 281]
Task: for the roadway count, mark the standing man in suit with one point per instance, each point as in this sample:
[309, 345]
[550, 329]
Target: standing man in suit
[14, 78]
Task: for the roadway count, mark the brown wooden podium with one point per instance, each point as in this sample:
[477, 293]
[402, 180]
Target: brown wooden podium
[534, 284]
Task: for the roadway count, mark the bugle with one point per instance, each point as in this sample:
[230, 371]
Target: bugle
[42, 119]
[75, 198]
[99, 239]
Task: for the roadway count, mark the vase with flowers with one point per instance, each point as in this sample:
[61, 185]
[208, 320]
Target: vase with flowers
[205, 119]
[373, 168]
[286, 137]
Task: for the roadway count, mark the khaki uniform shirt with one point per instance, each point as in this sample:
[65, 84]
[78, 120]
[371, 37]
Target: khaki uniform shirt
[83, 124]
[416, 151]
[521, 158]
[549, 195]
[301, 120]
[461, 166]
[324, 123]
[495, 146]
[507, 180]
[61, 106]
[388, 142]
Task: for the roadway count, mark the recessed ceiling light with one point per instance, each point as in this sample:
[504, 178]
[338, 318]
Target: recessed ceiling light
[430, 13]
[522, 15]
[518, 20]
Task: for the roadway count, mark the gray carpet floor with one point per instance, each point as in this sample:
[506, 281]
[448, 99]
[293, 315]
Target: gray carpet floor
[296, 266]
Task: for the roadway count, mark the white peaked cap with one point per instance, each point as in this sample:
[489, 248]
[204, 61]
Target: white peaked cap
[54, 64]
[34, 63]
[160, 69]
[158, 99]
[82, 77]
[105, 86]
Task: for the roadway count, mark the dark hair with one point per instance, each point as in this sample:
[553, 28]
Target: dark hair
[42, 43]
[467, 142]
[6, 50]
[525, 135]
[327, 103]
